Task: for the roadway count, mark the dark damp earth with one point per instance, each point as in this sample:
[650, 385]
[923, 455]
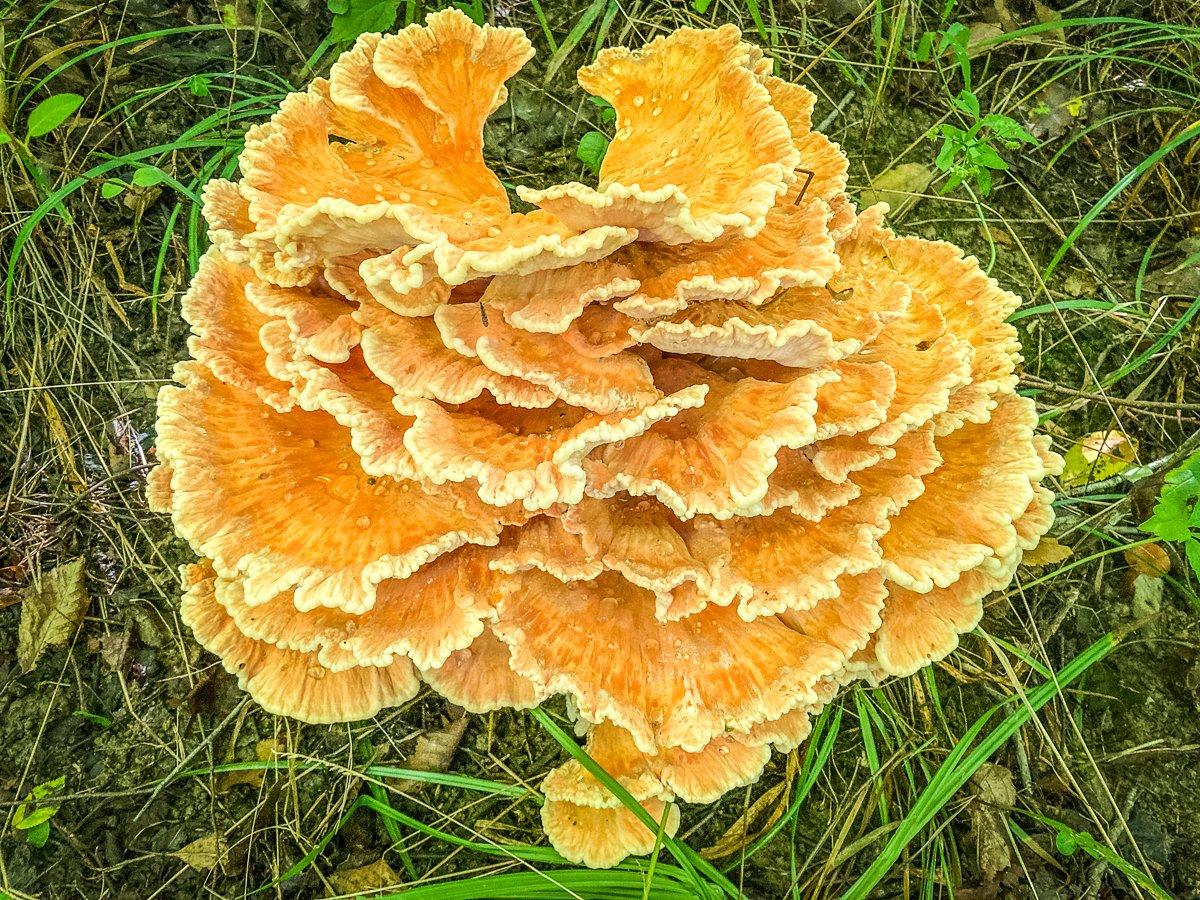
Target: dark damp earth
[135, 719]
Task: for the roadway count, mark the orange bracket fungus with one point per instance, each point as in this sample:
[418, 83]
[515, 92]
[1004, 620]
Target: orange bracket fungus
[705, 418]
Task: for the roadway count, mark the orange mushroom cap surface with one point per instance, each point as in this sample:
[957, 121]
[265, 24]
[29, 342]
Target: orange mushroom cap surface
[704, 418]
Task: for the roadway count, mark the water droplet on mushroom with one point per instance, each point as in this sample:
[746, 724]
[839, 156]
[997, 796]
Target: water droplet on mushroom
[363, 521]
[343, 466]
[639, 100]
[316, 672]
[433, 201]
[657, 111]
[405, 197]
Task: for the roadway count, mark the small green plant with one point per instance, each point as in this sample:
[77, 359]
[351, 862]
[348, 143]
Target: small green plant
[143, 177]
[33, 814]
[594, 144]
[970, 152]
[1176, 516]
[44, 118]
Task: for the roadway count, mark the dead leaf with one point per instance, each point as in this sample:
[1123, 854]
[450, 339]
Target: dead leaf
[996, 794]
[900, 187]
[1147, 596]
[364, 878]
[980, 34]
[1151, 560]
[1054, 111]
[433, 753]
[738, 834]
[1096, 457]
[202, 699]
[51, 612]
[1002, 236]
[113, 648]
[204, 853]
[264, 751]
[1079, 283]
[994, 786]
[1047, 552]
[1178, 280]
[1045, 15]
[62, 444]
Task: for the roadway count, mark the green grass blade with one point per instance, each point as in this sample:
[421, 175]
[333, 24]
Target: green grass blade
[1127, 179]
[963, 762]
[687, 858]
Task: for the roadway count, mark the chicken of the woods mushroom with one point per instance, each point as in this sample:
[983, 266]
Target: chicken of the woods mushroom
[693, 447]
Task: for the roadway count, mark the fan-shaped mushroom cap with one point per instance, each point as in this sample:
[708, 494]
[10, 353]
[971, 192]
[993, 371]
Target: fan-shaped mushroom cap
[694, 447]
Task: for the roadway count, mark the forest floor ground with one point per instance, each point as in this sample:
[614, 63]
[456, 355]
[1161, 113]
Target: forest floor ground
[140, 724]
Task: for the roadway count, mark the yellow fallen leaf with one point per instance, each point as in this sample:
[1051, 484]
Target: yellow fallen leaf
[900, 187]
[51, 612]
[1047, 552]
[1096, 457]
[62, 444]
[203, 853]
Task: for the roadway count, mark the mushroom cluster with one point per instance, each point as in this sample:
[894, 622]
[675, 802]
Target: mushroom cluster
[694, 447]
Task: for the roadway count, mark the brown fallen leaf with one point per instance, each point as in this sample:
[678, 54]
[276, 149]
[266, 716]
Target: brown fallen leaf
[738, 835]
[996, 794]
[433, 753]
[52, 611]
[359, 880]
[1151, 560]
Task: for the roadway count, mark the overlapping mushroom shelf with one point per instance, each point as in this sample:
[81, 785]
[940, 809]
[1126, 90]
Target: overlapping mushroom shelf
[694, 447]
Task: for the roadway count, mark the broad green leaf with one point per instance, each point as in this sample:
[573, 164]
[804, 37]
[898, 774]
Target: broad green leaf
[968, 103]
[35, 818]
[354, 17]
[1178, 503]
[111, 189]
[38, 836]
[986, 155]
[199, 85]
[148, 176]
[474, 10]
[983, 179]
[51, 113]
[591, 150]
